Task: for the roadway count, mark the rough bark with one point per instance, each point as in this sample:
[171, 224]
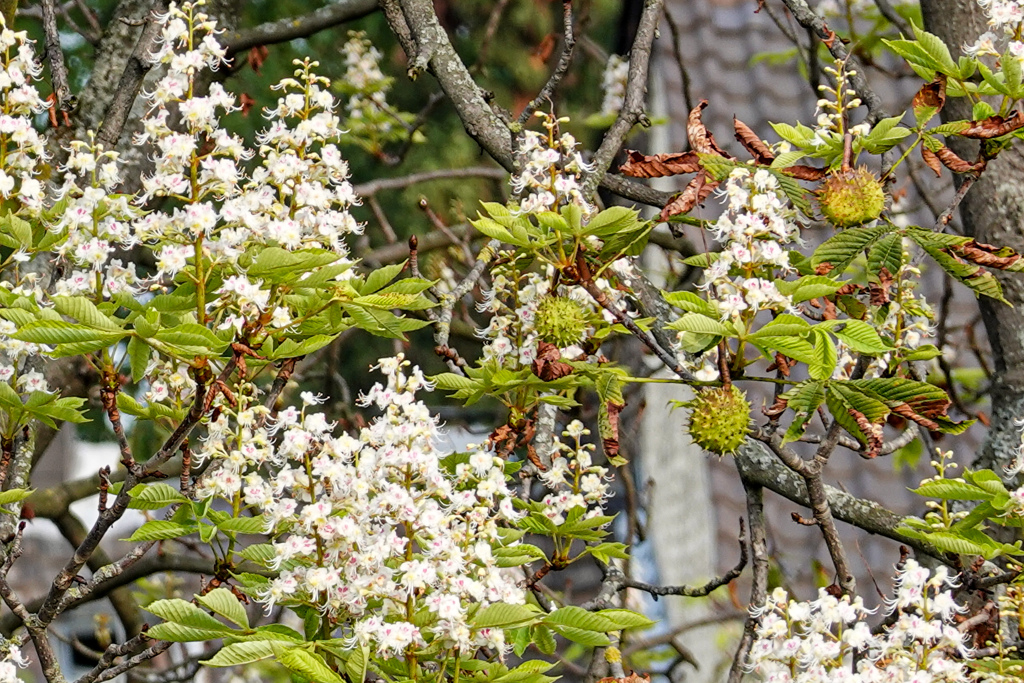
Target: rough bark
[992, 212]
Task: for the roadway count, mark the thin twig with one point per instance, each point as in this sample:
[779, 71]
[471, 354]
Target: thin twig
[561, 68]
[759, 584]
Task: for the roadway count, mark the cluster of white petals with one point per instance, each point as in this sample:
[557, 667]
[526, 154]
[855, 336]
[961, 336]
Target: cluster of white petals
[551, 172]
[613, 83]
[829, 639]
[389, 539]
[573, 480]
[1005, 18]
[10, 663]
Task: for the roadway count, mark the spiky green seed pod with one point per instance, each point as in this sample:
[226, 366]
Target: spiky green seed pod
[560, 321]
[719, 419]
[852, 198]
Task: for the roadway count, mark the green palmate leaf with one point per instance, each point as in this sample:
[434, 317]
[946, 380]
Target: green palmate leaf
[496, 230]
[160, 530]
[691, 302]
[825, 356]
[185, 613]
[177, 633]
[501, 615]
[783, 325]
[154, 496]
[260, 553]
[543, 639]
[274, 264]
[700, 324]
[837, 252]
[886, 253]
[793, 347]
[292, 348]
[357, 664]
[857, 334]
[61, 332]
[624, 618]
[246, 652]
[578, 617]
[307, 664]
[701, 260]
[988, 481]
[582, 636]
[798, 135]
[951, 489]
[85, 312]
[223, 602]
[244, 525]
[809, 287]
[139, 354]
[14, 495]
[803, 400]
[192, 336]
[612, 220]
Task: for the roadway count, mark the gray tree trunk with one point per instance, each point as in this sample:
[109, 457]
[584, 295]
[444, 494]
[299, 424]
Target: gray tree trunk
[992, 212]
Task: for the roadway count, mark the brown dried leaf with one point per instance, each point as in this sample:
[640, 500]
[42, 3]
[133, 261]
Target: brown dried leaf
[873, 433]
[802, 172]
[659, 165]
[779, 407]
[548, 365]
[954, 163]
[701, 139]
[932, 161]
[993, 127]
[611, 442]
[987, 254]
[631, 678]
[696, 191]
[257, 56]
[879, 292]
[931, 95]
[761, 152]
[906, 411]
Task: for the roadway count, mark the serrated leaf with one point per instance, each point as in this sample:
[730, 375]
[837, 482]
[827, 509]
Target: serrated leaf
[178, 633]
[578, 617]
[582, 636]
[183, 612]
[841, 249]
[502, 615]
[154, 496]
[139, 354]
[691, 302]
[625, 618]
[160, 530]
[803, 399]
[886, 253]
[309, 665]
[951, 489]
[223, 602]
[245, 652]
[700, 324]
[825, 356]
[61, 332]
[14, 495]
[857, 334]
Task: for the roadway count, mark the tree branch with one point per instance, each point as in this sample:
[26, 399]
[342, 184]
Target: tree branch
[564, 60]
[139, 64]
[55, 56]
[759, 585]
[290, 28]
[632, 111]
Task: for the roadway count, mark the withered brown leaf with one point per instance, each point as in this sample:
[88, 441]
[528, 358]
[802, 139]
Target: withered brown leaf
[761, 152]
[549, 365]
[802, 172]
[954, 163]
[611, 442]
[659, 165]
[931, 95]
[696, 191]
[987, 254]
[993, 126]
[701, 139]
[932, 161]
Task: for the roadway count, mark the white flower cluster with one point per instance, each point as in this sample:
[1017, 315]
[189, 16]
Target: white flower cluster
[369, 116]
[514, 299]
[1005, 18]
[613, 83]
[833, 109]
[371, 529]
[828, 639]
[22, 148]
[574, 481]
[755, 226]
[551, 170]
[11, 662]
